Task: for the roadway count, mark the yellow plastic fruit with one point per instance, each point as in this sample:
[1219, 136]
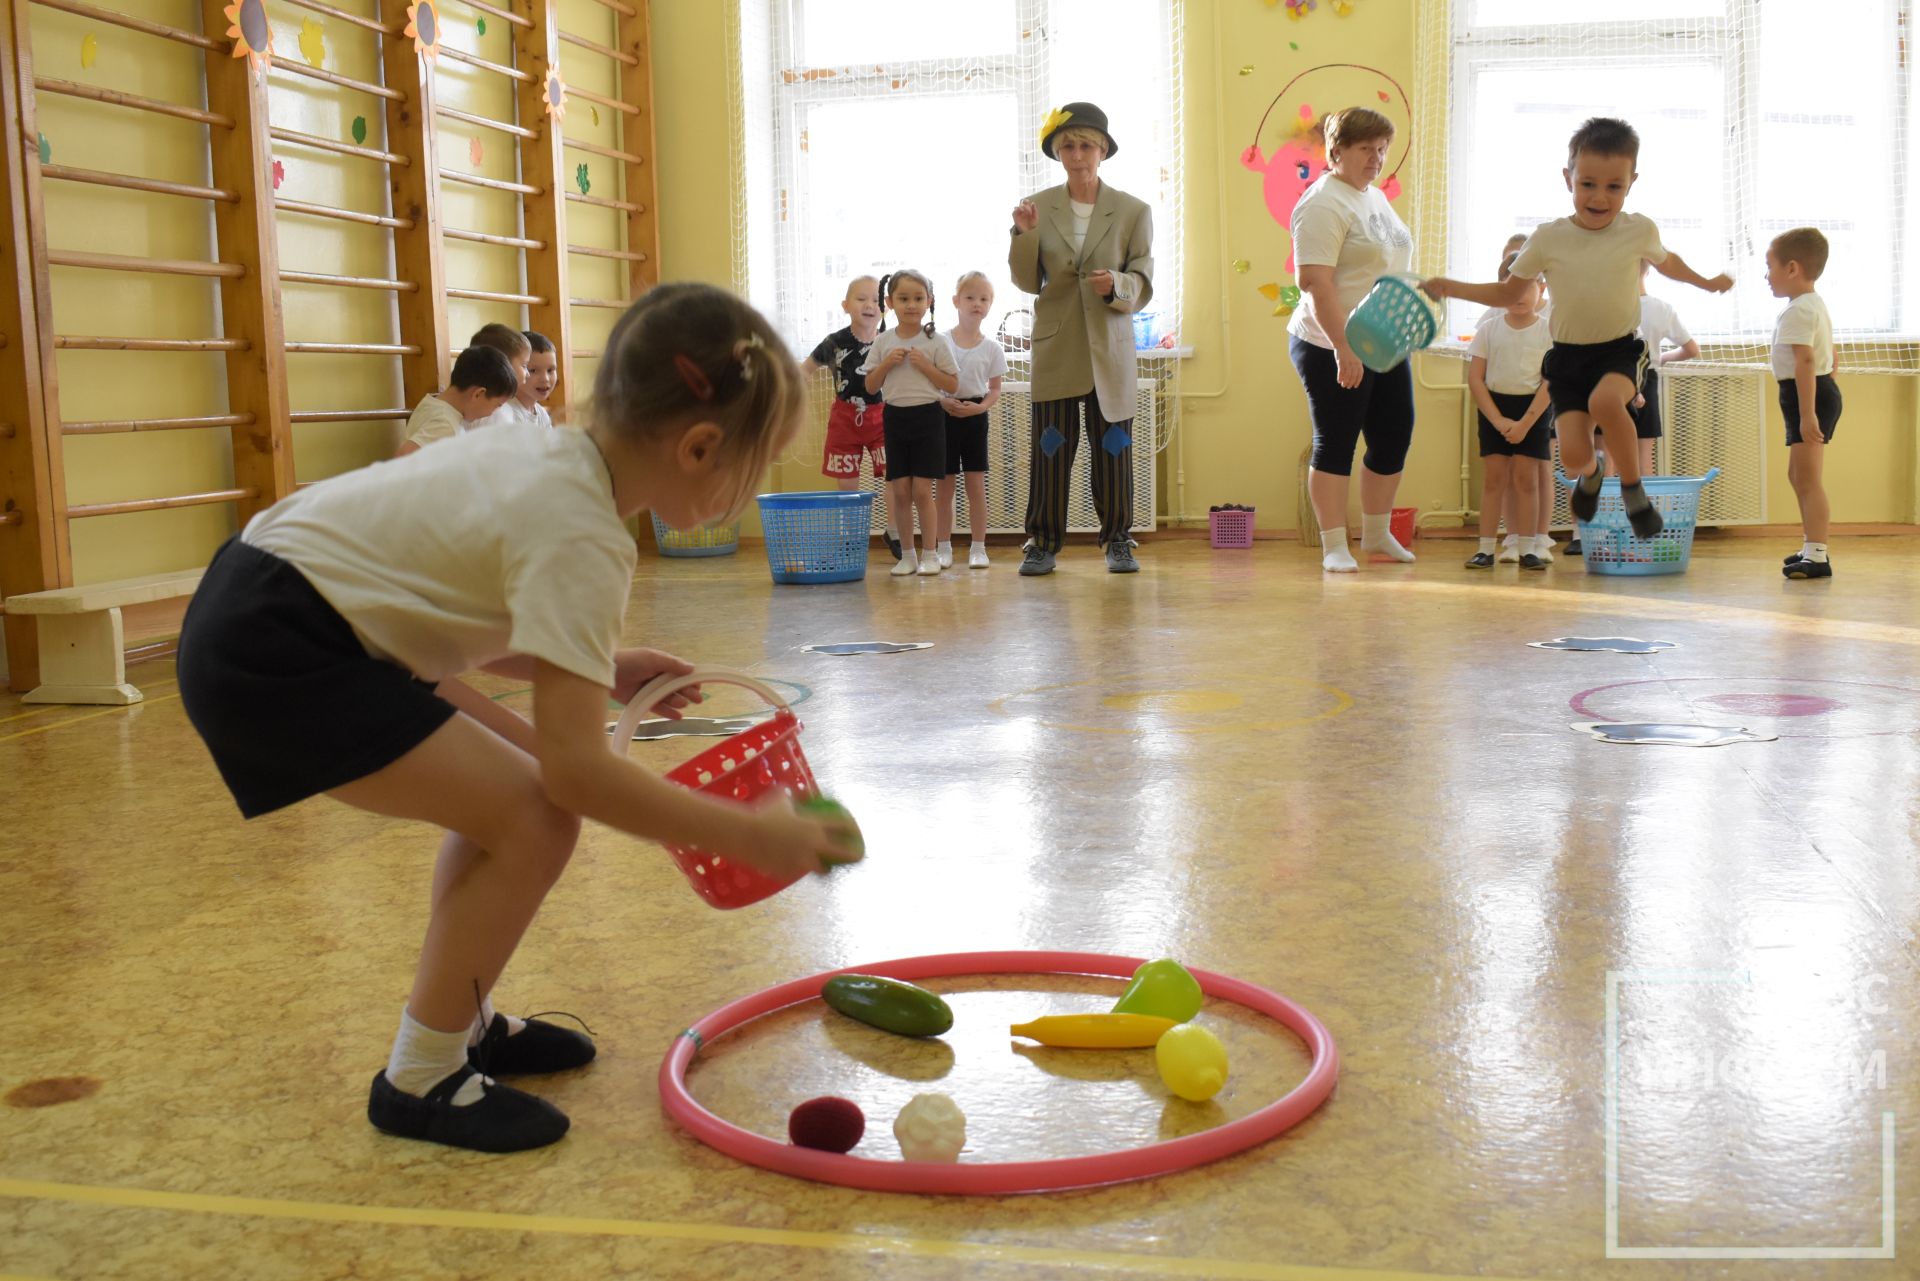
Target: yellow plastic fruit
[1095, 1031]
[1192, 1062]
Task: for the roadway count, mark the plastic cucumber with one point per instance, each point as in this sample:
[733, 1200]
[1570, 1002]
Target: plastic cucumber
[888, 1004]
[1095, 1031]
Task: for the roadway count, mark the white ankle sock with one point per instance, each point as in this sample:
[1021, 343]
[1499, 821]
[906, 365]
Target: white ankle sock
[1334, 556]
[1486, 545]
[946, 548]
[480, 1025]
[422, 1058]
[1813, 551]
[1376, 535]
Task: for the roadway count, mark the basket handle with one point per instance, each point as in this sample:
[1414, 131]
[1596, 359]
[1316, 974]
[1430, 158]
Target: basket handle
[661, 686]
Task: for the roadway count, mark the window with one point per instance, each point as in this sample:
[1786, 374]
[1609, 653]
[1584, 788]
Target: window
[1754, 116]
[904, 136]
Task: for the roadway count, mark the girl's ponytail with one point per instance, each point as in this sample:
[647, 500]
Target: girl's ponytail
[883, 302]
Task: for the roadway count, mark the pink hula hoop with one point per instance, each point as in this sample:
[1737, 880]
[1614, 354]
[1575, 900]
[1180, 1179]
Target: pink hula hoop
[1005, 1177]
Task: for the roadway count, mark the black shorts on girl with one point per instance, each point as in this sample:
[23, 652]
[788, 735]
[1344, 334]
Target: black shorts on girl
[1647, 423]
[1826, 407]
[286, 697]
[1574, 369]
[1537, 443]
[966, 440]
[916, 441]
[1380, 409]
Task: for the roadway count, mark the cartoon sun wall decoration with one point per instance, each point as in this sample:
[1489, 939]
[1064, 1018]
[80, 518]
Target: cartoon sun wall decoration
[423, 28]
[251, 32]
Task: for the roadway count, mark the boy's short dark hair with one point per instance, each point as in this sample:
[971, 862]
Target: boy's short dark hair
[1604, 136]
[505, 339]
[486, 368]
[1804, 245]
[540, 343]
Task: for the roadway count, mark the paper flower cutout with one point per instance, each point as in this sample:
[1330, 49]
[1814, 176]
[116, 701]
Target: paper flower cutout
[89, 49]
[46, 150]
[1297, 9]
[1270, 291]
[359, 128]
[480, 26]
[553, 93]
[279, 174]
[1241, 266]
[583, 179]
[252, 33]
[593, 112]
[423, 28]
[475, 152]
[313, 42]
[1055, 119]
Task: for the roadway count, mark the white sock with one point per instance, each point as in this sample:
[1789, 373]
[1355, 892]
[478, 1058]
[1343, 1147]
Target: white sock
[1513, 540]
[1542, 543]
[979, 542]
[1334, 556]
[422, 1058]
[1376, 535]
[480, 1025]
[1486, 545]
[946, 548]
[1813, 551]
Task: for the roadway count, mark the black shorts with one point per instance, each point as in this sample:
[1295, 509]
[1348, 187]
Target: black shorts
[1647, 424]
[916, 441]
[966, 440]
[1538, 441]
[1574, 369]
[285, 696]
[1826, 406]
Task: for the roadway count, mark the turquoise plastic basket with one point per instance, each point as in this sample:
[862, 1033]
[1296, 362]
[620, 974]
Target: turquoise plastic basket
[817, 537]
[1609, 545]
[1392, 322]
[708, 540]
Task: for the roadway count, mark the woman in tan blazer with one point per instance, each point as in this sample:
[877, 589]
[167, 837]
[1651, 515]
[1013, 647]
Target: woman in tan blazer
[1086, 250]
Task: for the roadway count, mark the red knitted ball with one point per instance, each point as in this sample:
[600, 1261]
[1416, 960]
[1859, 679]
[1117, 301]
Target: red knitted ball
[828, 1124]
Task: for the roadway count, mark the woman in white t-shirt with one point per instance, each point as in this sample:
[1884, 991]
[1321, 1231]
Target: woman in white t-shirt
[323, 650]
[1345, 237]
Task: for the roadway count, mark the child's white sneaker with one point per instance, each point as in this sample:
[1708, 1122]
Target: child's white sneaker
[929, 563]
[1509, 551]
[977, 557]
[907, 564]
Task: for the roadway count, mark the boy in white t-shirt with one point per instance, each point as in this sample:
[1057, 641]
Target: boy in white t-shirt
[1516, 422]
[543, 375]
[482, 381]
[1802, 359]
[1592, 263]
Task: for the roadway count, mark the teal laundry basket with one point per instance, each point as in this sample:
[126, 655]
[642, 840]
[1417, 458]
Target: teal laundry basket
[1609, 545]
[1392, 322]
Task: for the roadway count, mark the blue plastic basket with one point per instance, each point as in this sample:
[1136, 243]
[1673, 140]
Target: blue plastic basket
[708, 540]
[817, 537]
[1609, 545]
[1392, 322]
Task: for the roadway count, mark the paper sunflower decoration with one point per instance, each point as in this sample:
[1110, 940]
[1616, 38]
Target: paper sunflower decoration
[1054, 120]
[423, 27]
[252, 33]
[553, 93]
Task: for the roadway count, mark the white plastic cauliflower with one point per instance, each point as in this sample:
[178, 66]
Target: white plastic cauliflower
[931, 1128]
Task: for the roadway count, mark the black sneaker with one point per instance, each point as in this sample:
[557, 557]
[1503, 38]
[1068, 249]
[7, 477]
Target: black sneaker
[1038, 562]
[1529, 561]
[1808, 569]
[504, 1120]
[1572, 548]
[1480, 560]
[893, 542]
[1642, 515]
[1584, 501]
[536, 1048]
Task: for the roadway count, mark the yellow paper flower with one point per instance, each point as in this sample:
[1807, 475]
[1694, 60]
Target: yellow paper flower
[423, 28]
[252, 33]
[1055, 119]
[553, 92]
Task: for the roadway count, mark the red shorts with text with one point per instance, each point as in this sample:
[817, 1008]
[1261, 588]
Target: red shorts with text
[851, 432]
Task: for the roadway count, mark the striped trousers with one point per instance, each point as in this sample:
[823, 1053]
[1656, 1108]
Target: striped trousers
[1056, 438]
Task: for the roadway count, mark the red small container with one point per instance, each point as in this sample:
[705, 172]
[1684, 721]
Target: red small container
[1405, 526]
[1230, 529]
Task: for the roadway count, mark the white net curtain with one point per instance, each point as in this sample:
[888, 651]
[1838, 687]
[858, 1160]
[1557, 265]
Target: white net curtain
[878, 139]
[1754, 116]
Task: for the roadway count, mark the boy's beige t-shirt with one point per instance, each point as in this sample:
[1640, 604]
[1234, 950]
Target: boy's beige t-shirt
[497, 542]
[433, 419]
[1594, 276]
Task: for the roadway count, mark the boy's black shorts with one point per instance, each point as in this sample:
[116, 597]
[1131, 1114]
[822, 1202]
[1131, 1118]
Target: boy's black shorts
[1826, 406]
[1574, 369]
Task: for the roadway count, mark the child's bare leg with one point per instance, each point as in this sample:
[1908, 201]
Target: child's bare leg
[1543, 494]
[1575, 433]
[1613, 466]
[1806, 462]
[946, 492]
[1646, 455]
[923, 506]
[1495, 489]
[1608, 406]
[976, 505]
[1524, 479]
[900, 507]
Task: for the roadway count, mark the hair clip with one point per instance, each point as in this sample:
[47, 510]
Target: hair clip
[690, 375]
[745, 350]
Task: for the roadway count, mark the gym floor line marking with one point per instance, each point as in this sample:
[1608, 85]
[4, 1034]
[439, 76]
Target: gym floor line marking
[698, 1233]
[75, 720]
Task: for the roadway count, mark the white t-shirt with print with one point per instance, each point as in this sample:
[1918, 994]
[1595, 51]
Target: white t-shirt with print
[1804, 323]
[1594, 276]
[497, 542]
[434, 419]
[1660, 323]
[1356, 233]
[979, 365]
[513, 413]
[906, 385]
[1513, 356]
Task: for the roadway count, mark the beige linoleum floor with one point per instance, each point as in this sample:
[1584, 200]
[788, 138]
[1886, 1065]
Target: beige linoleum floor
[1361, 792]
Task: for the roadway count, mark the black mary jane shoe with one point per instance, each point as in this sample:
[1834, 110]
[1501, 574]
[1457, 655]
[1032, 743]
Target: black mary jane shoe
[502, 1120]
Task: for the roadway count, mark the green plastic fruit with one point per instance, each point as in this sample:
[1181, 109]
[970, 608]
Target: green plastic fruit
[824, 807]
[1192, 1062]
[888, 1004]
[1163, 989]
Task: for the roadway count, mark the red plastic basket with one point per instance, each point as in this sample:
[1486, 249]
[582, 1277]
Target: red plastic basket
[1230, 529]
[1405, 526]
[753, 764]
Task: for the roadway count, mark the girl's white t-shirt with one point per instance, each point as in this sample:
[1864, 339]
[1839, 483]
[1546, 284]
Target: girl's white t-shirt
[1513, 356]
[1804, 323]
[1660, 323]
[907, 386]
[978, 365]
[1356, 233]
[497, 542]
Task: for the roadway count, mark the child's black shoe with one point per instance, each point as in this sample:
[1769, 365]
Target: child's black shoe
[1529, 561]
[1585, 498]
[538, 1047]
[1808, 569]
[1641, 513]
[503, 1120]
[1480, 560]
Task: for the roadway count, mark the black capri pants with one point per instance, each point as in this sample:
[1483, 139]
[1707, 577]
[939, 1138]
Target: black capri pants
[1380, 409]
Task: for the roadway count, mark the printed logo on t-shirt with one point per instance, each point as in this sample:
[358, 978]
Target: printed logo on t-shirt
[1388, 231]
[842, 353]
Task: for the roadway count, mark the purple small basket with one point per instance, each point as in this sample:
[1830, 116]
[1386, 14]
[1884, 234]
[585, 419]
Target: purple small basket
[1230, 529]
